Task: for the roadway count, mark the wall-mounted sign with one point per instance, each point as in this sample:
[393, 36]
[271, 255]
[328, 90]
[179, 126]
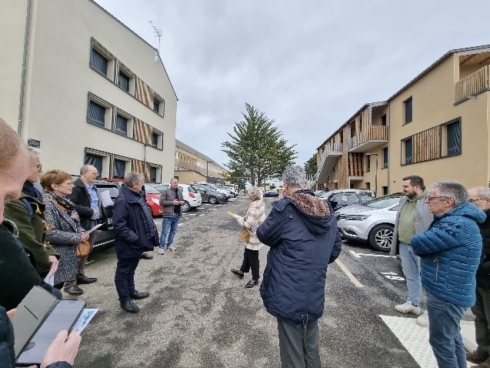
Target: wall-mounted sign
[34, 143]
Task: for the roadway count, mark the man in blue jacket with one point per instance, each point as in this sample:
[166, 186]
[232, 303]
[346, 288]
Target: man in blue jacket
[450, 253]
[301, 231]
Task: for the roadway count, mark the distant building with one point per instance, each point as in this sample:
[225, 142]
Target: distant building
[437, 126]
[85, 88]
[191, 165]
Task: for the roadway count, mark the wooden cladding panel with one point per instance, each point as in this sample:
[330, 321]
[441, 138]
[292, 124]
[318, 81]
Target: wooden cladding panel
[355, 164]
[144, 93]
[475, 82]
[426, 145]
[141, 167]
[142, 131]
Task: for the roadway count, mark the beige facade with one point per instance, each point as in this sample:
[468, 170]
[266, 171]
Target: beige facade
[189, 176]
[437, 126]
[93, 91]
[198, 164]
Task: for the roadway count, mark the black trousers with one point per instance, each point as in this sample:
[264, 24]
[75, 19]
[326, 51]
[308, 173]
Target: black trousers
[124, 278]
[481, 310]
[251, 261]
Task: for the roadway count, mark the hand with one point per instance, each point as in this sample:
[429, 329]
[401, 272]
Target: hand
[10, 313]
[176, 202]
[182, 202]
[96, 212]
[63, 348]
[85, 236]
[53, 261]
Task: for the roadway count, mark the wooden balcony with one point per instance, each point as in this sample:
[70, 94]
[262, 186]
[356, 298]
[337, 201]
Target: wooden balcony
[355, 166]
[368, 138]
[473, 84]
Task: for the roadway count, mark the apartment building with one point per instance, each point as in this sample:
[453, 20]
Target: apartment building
[437, 126]
[193, 166]
[85, 88]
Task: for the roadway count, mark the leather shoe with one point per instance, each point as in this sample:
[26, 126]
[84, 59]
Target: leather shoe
[238, 273]
[130, 307]
[73, 290]
[146, 256]
[251, 283]
[82, 279]
[138, 295]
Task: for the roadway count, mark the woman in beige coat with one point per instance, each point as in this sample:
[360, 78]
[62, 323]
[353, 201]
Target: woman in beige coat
[254, 216]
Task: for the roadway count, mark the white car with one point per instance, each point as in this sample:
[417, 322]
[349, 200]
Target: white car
[191, 196]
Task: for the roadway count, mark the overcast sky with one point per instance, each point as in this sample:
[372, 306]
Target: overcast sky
[309, 65]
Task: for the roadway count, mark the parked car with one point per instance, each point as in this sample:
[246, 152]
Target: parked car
[106, 232]
[209, 195]
[191, 196]
[213, 187]
[232, 190]
[372, 222]
[345, 197]
[153, 200]
[271, 193]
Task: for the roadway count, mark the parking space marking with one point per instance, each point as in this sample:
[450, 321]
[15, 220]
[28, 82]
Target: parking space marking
[202, 214]
[360, 255]
[349, 274]
[191, 214]
[393, 276]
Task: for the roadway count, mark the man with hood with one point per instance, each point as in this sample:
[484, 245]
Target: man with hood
[449, 253]
[301, 231]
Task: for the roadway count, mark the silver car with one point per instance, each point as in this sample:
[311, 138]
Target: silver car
[372, 222]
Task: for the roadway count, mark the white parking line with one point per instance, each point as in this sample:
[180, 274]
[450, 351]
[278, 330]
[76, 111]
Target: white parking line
[202, 215]
[349, 274]
[360, 255]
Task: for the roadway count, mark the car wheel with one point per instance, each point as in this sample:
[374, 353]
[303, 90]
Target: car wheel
[185, 207]
[212, 199]
[380, 237]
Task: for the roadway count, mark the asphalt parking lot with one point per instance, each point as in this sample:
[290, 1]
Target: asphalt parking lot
[200, 315]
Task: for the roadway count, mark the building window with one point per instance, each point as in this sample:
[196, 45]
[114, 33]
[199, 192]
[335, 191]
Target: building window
[96, 114]
[385, 190]
[123, 81]
[383, 120]
[119, 171]
[153, 174]
[385, 158]
[368, 163]
[368, 185]
[156, 106]
[121, 125]
[154, 140]
[98, 62]
[408, 110]
[453, 133]
[408, 151]
[94, 160]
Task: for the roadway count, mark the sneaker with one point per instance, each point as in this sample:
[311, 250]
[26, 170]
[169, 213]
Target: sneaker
[477, 356]
[172, 248]
[408, 307]
[161, 251]
[423, 320]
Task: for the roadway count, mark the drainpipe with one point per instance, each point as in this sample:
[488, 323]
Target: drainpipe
[20, 124]
[389, 150]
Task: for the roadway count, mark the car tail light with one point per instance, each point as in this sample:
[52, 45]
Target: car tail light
[192, 195]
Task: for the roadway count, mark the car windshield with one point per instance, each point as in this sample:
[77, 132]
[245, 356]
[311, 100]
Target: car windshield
[161, 187]
[383, 202]
[191, 189]
[324, 194]
[151, 190]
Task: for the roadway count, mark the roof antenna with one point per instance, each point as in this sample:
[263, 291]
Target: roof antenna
[158, 33]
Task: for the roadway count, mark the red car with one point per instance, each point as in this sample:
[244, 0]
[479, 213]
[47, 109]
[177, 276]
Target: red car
[153, 200]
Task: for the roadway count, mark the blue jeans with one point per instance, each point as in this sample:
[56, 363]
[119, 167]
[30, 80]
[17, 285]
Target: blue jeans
[444, 332]
[169, 224]
[411, 270]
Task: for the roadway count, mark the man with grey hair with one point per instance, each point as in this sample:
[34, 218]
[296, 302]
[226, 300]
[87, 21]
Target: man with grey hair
[87, 205]
[480, 196]
[449, 253]
[301, 231]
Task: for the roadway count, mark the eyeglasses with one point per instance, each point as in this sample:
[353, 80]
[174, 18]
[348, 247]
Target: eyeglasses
[429, 199]
[39, 167]
[477, 199]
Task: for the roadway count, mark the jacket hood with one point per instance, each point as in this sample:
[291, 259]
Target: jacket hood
[314, 211]
[469, 210]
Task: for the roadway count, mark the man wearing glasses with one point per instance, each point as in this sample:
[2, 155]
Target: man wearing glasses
[449, 256]
[480, 196]
[413, 217]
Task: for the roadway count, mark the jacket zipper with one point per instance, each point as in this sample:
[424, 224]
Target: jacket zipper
[437, 267]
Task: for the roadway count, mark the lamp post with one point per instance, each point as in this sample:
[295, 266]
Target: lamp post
[375, 173]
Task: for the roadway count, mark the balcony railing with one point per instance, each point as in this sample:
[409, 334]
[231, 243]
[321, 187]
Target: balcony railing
[472, 84]
[370, 133]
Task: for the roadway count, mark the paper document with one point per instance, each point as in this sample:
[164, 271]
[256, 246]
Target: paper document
[93, 229]
[107, 201]
[49, 280]
[84, 319]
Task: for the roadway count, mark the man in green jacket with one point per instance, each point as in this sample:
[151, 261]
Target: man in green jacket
[27, 213]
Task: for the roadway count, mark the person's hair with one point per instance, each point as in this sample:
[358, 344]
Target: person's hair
[54, 176]
[452, 189]
[483, 192]
[10, 142]
[84, 169]
[133, 178]
[415, 180]
[294, 176]
[254, 193]
[33, 152]
[173, 179]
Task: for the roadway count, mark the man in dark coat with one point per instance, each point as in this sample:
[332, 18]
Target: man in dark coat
[135, 233]
[87, 205]
[480, 196]
[302, 233]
